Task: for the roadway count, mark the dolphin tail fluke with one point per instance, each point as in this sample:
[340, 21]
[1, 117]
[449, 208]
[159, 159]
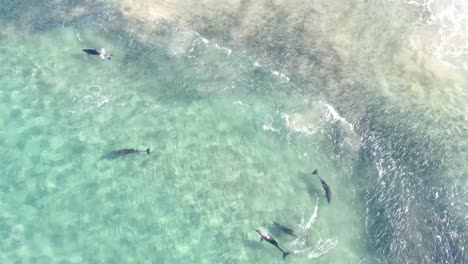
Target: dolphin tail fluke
[315, 172]
[285, 254]
[148, 151]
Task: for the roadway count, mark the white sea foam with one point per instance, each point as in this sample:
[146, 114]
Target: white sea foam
[228, 51]
[180, 44]
[308, 123]
[299, 123]
[445, 24]
[276, 73]
[312, 217]
[333, 115]
[78, 35]
[284, 77]
[268, 124]
[205, 41]
[85, 103]
[304, 228]
[323, 246]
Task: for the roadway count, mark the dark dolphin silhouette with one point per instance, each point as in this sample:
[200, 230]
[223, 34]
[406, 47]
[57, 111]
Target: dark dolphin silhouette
[325, 186]
[123, 152]
[286, 230]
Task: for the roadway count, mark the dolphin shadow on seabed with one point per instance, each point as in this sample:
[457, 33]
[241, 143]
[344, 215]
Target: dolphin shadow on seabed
[311, 188]
[285, 229]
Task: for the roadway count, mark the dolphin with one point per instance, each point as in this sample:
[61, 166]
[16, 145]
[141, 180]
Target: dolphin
[101, 53]
[325, 186]
[271, 240]
[123, 152]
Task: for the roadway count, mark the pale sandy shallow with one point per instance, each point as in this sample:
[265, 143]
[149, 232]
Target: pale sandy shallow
[412, 51]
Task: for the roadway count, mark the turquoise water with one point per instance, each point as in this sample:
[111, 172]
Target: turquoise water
[236, 122]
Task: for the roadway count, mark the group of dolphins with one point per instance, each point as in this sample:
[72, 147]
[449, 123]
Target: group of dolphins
[120, 152]
[263, 234]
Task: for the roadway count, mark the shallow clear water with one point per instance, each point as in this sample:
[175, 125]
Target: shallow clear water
[238, 111]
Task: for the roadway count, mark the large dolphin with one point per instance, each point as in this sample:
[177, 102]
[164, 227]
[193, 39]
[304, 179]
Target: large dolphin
[271, 240]
[123, 152]
[325, 186]
[286, 230]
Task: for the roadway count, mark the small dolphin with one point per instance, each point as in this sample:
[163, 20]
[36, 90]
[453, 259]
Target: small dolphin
[286, 230]
[102, 53]
[271, 240]
[325, 186]
[123, 152]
